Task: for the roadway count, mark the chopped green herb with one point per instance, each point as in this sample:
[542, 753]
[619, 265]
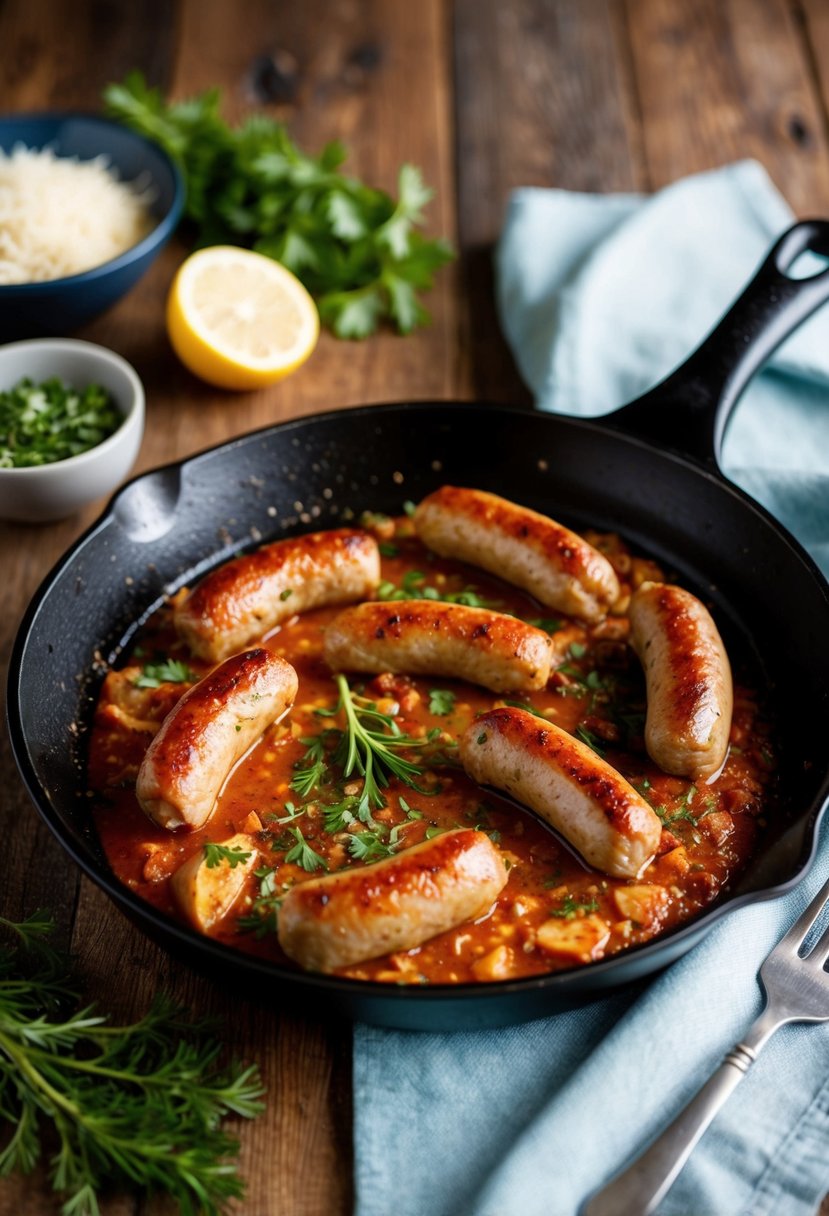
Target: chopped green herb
[368, 846]
[441, 701]
[215, 854]
[684, 813]
[303, 855]
[169, 671]
[262, 918]
[433, 831]
[294, 812]
[572, 907]
[310, 771]
[286, 594]
[387, 549]
[577, 650]
[43, 423]
[415, 587]
[409, 507]
[340, 815]
[481, 737]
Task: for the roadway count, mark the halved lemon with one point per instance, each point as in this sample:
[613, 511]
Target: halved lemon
[238, 319]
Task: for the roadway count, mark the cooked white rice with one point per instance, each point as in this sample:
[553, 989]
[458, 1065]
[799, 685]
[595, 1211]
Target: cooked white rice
[60, 216]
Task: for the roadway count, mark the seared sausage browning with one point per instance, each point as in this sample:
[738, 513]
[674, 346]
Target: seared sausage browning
[688, 679]
[210, 728]
[396, 904]
[555, 565]
[567, 784]
[246, 597]
[424, 637]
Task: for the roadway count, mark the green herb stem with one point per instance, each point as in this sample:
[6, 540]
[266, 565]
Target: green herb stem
[356, 249]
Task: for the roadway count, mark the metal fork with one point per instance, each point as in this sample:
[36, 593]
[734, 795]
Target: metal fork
[797, 990]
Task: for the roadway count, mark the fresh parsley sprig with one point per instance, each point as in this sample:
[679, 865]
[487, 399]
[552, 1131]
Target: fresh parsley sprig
[303, 855]
[215, 854]
[137, 1106]
[356, 249]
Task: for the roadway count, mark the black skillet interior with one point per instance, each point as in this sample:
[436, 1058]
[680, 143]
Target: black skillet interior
[168, 526]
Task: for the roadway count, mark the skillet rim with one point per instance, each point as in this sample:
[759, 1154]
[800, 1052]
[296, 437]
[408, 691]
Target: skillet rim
[587, 981]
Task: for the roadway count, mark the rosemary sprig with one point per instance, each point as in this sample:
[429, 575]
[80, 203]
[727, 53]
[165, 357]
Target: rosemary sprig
[370, 747]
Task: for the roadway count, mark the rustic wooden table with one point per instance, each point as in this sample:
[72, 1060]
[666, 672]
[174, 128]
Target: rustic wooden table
[484, 95]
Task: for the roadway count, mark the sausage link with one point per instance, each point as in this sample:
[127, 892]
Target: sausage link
[425, 637]
[555, 565]
[396, 904]
[204, 735]
[567, 784]
[248, 596]
[688, 680]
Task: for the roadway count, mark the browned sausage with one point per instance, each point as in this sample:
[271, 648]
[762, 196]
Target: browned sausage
[567, 784]
[210, 728]
[396, 904]
[425, 637]
[247, 597]
[555, 565]
[688, 678]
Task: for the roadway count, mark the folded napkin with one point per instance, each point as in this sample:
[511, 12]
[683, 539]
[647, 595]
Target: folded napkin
[599, 298]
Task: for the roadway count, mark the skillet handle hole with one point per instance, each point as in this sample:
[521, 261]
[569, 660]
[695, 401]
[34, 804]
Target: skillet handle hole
[802, 253]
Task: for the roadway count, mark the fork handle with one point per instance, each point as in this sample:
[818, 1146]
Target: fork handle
[639, 1188]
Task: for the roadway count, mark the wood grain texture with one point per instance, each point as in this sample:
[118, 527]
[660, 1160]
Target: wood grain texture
[525, 117]
[719, 80]
[353, 83]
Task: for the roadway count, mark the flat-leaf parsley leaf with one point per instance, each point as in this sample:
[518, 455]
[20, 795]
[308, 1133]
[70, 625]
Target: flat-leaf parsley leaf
[356, 249]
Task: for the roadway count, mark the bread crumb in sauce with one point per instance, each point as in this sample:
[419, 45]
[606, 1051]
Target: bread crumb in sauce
[554, 913]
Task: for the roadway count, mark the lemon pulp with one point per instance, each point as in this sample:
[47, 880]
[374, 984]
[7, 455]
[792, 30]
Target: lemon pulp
[238, 319]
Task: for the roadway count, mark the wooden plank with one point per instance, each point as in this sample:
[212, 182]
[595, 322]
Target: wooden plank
[719, 81]
[39, 70]
[543, 98]
[812, 20]
[60, 57]
[353, 81]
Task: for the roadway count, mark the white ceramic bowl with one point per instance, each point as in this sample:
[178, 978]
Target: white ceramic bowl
[53, 491]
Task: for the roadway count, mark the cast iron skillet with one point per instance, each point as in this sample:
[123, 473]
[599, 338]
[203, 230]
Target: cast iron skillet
[167, 527]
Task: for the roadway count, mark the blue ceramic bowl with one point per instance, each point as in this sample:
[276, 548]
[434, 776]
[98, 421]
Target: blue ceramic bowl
[59, 306]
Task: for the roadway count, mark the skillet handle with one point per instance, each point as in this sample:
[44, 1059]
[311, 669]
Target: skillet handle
[688, 411]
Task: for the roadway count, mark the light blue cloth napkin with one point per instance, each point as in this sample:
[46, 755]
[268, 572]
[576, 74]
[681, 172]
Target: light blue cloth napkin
[599, 298]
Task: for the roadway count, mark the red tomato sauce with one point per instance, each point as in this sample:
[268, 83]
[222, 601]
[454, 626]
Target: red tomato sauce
[554, 912]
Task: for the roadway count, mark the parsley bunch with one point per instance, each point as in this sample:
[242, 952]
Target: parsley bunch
[137, 1106]
[355, 248]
